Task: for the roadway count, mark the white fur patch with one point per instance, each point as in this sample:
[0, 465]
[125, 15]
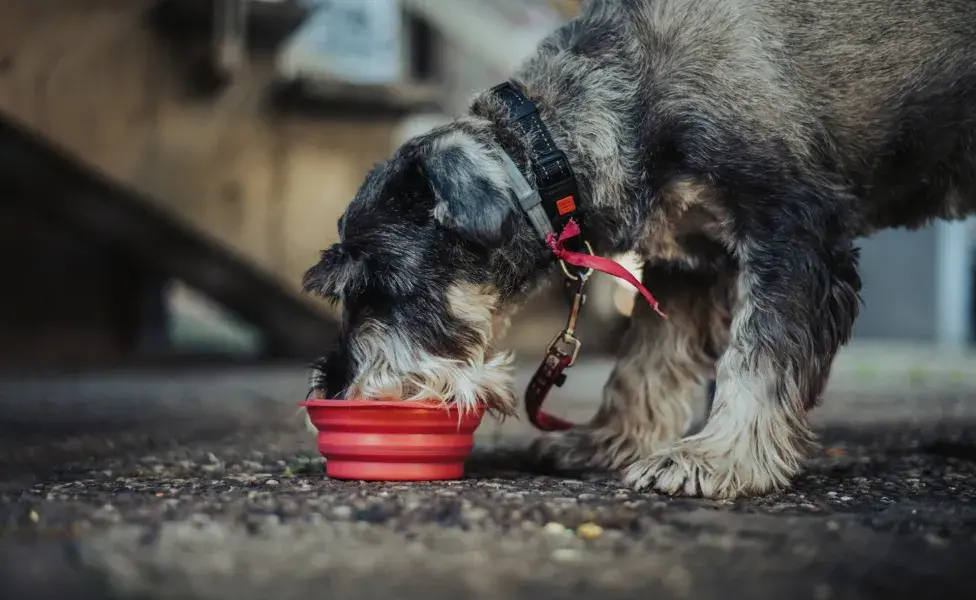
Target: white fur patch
[392, 367]
[754, 439]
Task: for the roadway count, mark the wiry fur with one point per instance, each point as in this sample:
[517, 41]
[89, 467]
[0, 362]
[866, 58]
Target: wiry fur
[659, 377]
[426, 291]
[740, 146]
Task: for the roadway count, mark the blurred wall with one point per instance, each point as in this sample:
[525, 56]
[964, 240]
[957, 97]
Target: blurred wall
[88, 75]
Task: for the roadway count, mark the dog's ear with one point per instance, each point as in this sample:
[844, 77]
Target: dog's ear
[471, 190]
[336, 271]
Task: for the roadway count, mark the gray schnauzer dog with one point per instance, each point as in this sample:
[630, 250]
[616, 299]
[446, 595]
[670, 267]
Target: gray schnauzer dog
[740, 147]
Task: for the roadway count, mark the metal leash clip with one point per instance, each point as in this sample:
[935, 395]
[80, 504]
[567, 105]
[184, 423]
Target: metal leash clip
[566, 343]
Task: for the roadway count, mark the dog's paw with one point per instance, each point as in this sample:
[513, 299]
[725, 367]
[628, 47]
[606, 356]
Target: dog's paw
[674, 472]
[584, 448]
[686, 470]
[573, 450]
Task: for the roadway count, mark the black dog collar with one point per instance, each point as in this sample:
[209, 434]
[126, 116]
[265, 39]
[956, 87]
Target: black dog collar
[556, 199]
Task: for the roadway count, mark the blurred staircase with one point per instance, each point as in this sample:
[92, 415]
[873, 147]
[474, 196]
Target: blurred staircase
[215, 143]
[79, 203]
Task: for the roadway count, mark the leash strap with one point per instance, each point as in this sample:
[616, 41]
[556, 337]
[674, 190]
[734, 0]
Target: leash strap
[550, 373]
[553, 205]
[565, 347]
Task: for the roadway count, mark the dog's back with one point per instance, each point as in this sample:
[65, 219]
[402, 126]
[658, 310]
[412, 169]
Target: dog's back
[894, 84]
[885, 89]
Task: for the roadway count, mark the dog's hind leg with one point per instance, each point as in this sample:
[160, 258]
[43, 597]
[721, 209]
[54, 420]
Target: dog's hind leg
[661, 372]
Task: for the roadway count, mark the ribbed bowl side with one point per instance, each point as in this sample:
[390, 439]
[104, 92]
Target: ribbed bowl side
[393, 441]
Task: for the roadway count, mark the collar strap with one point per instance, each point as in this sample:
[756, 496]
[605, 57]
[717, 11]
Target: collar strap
[528, 198]
[555, 200]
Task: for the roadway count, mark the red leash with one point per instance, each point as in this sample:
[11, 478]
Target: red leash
[597, 263]
[564, 348]
[550, 373]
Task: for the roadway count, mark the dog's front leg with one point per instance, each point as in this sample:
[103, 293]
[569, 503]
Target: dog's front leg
[797, 299]
[660, 371]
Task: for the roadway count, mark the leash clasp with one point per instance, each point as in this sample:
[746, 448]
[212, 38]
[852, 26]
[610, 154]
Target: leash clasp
[566, 343]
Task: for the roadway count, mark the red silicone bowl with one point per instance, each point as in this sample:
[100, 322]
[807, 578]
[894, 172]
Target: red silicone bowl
[393, 441]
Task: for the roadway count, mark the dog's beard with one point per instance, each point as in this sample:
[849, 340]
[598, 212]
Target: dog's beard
[390, 367]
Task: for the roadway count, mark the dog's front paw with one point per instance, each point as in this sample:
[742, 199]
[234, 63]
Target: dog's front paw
[674, 472]
[687, 470]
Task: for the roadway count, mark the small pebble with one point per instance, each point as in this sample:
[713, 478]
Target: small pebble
[555, 528]
[271, 482]
[846, 498]
[342, 512]
[34, 517]
[566, 554]
[589, 531]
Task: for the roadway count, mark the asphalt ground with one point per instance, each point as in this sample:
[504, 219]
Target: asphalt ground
[206, 485]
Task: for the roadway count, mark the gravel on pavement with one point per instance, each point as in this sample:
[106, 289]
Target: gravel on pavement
[170, 506]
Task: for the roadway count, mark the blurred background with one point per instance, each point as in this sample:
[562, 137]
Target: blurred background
[170, 168]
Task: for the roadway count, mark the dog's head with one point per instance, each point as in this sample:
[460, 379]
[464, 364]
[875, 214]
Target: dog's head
[434, 254]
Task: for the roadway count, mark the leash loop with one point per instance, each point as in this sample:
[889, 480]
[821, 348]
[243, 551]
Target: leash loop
[583, 275]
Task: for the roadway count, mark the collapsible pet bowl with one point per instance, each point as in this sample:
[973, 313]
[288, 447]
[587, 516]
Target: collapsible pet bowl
[393, 440]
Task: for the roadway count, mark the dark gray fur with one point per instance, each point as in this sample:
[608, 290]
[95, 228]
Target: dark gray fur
[746, 143]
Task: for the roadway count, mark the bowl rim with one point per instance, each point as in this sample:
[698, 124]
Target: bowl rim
[400, 404]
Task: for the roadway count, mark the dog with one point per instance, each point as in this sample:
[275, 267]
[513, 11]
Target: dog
[740, 147]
